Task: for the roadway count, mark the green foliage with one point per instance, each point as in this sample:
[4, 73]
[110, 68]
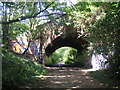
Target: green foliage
[52, 59]
[105, 38]
[99, 22]
[17, 71]
[102, 76]
[82, 6]
[57, 56]
[70, 55]
[64, 54]
[16, 29]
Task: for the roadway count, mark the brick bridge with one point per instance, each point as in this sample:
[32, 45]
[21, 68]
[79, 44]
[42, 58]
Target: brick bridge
[53, 36]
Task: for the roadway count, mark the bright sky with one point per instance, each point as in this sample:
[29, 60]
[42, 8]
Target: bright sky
[69, 2]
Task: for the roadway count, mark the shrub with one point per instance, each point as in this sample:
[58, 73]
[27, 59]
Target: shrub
[17, 71]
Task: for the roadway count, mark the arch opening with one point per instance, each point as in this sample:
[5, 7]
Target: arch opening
[69, 41]
[63, 55]
[77, 44]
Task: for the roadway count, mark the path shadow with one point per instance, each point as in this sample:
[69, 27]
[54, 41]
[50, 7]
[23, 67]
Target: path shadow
[67, 77]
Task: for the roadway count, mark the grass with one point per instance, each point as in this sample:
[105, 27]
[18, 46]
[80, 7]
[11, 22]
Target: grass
[104, 77]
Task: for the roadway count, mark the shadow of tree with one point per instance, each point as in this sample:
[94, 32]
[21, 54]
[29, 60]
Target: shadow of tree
[67, 78]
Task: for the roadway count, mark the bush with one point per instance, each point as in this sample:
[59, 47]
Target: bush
[17, 71]
[103, 76]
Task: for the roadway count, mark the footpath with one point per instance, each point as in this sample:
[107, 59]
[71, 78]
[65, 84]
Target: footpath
[67, 77]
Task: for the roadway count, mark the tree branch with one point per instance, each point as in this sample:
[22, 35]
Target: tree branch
[26, 17]
[51, 14]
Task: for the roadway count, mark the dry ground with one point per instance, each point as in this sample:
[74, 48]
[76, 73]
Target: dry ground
[68, 77]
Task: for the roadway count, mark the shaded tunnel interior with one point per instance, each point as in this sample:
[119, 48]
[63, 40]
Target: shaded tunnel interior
[77, 43]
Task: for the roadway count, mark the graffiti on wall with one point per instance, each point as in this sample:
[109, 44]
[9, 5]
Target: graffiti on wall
[99, 61]
[16, 47]
[20, 44]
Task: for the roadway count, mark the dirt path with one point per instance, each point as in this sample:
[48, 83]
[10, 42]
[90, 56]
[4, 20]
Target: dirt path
[67, 78]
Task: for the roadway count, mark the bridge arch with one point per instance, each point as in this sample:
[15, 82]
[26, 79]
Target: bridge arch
[78, 43]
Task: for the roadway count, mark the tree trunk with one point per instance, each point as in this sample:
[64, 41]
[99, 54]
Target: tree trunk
[5, 28]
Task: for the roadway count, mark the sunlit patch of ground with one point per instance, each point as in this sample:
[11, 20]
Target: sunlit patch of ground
[67, 78]
[88, 70]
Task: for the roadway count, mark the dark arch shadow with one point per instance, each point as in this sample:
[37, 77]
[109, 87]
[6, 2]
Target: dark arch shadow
[77, 43]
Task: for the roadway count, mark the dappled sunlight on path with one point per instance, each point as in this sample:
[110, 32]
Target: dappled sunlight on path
[67, 78]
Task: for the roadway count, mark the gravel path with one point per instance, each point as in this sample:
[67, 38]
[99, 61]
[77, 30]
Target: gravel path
[67, 78]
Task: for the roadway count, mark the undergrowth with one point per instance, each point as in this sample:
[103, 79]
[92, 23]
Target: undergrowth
[18, 71]
[104, 76]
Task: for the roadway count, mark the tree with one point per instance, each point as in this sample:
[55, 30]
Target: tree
[105, 38]
[17, 14]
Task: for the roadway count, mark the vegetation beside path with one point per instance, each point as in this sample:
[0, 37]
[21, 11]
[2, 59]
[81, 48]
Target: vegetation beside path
[19, 71]
[106, 77]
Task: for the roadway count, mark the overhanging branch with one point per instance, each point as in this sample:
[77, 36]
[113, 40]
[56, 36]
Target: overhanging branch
[26, 17]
